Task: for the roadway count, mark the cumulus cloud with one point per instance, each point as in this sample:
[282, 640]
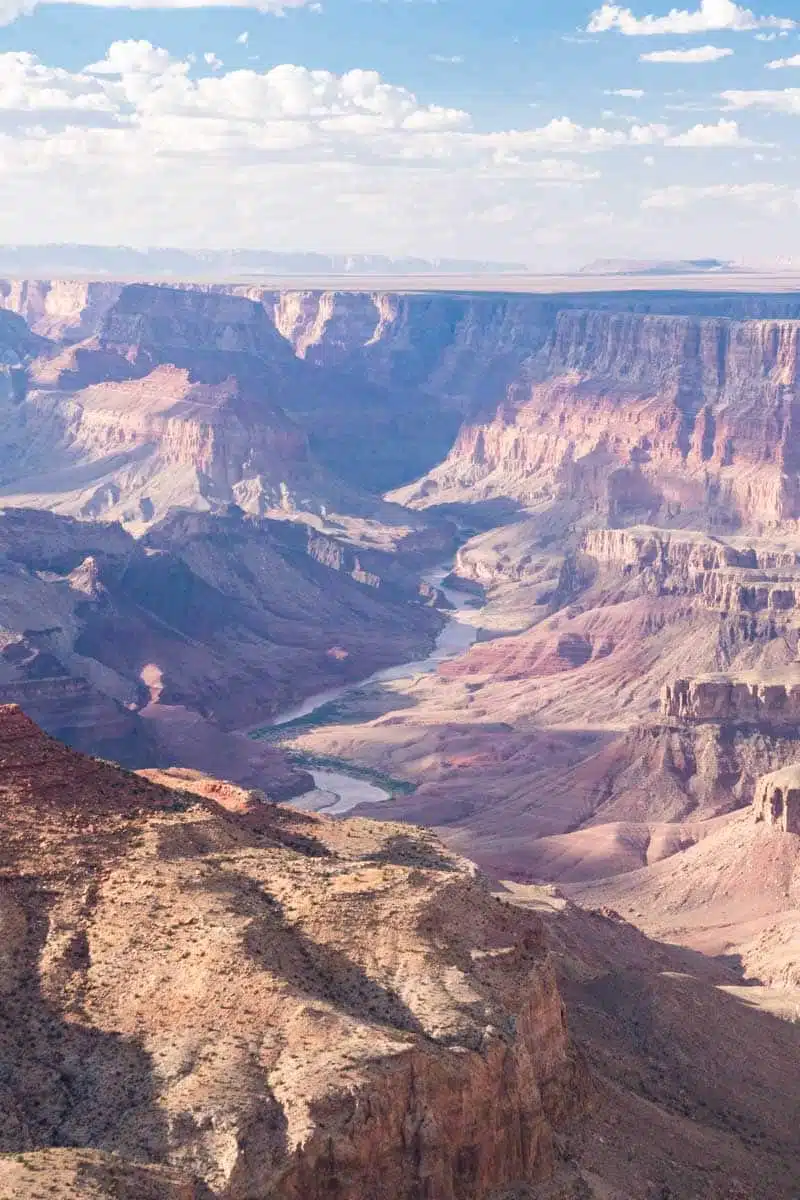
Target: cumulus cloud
[243, 38]
[136, 58]
[213, 60]
[26, 85]
[785, 101]
[626, 93]
[141, 147]
[721, 135]
[712, 16]
[452, 59]
[778, 63]
[698, 54]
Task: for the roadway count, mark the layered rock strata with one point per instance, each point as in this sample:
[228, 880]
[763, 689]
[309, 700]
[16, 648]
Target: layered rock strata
[742, 699]
[629, 417]
[734, 576]
[188, 398]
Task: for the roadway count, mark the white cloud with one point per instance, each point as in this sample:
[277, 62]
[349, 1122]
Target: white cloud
[243, 38]
[26, 85]
[785, 101]
[712, 16]
[778, 63]
[453, 59]
[770, 197]
[698, 54]
[626, 93]
[11, 9]
[721, 135]
[141, 148]
[136, 58]
[213, 60]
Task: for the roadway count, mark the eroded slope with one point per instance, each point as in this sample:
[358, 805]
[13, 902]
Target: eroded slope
[266, 1002]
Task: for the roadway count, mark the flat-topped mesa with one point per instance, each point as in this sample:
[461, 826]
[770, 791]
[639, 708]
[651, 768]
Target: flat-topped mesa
[726, 699]
[731, 576]
[777, 800]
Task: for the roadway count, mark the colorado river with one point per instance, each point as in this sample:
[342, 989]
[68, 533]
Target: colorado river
[336, 792]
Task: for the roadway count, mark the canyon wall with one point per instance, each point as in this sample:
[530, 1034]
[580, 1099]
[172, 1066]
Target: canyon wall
[59, 308]
[190, 396]
[629, 417]
[732, 577]
[147, 650]
[732, 700]
[462, 346]
[669, 408]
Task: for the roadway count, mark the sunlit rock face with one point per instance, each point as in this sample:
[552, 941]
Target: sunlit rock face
[630, 418]
[777, 800]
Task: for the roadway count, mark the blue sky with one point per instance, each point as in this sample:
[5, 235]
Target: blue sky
[407, 126]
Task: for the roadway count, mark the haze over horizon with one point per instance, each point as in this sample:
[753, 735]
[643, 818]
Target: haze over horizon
[549, 137]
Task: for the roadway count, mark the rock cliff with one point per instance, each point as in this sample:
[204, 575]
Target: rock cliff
[61, 309]
[643, 406]
[465, 349]
[214, 980]
[746, 698]
[192, 397]
[732, 576]
[630, 417]
[777, 800]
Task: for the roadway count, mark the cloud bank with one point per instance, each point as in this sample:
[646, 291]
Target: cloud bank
[711, 17]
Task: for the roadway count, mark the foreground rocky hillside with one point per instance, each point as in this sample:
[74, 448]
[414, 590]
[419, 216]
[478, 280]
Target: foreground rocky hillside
[199, 976]
[207, 995]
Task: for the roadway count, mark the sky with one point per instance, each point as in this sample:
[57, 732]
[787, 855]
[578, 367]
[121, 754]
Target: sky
[544, 132]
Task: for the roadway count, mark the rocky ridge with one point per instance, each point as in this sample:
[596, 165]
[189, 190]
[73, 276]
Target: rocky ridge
[271, 1043]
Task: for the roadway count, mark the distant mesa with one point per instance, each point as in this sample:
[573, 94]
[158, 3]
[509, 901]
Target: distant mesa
[130, 262]
[680, 266]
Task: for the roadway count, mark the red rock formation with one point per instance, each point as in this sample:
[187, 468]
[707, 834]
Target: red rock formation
[219, 989]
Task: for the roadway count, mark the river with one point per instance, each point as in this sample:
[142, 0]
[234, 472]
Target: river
[337, 792]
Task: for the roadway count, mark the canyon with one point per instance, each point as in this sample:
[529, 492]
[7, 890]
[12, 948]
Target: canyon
[242, 530]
